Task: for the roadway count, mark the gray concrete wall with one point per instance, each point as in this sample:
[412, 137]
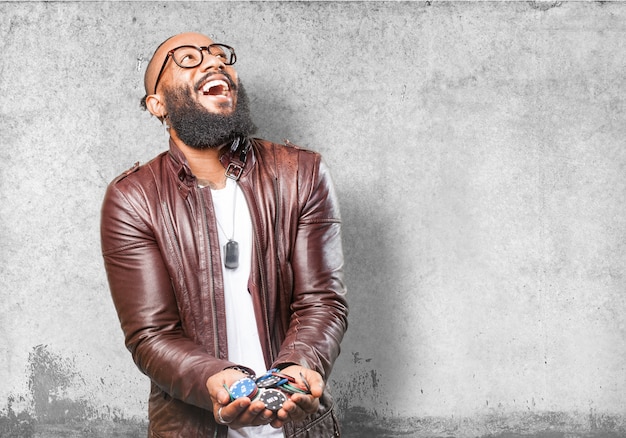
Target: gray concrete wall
[478, 150]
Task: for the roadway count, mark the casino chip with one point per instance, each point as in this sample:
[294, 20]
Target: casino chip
[294, 388]
[243, 388]
[268, 381]
[273, 399]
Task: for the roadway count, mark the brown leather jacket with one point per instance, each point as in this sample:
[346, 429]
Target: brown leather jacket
[161, 253]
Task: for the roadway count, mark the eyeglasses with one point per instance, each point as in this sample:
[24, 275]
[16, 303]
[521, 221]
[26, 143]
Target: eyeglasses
[192, 56]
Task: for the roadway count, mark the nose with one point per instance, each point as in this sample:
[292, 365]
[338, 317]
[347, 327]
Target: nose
[210, 61]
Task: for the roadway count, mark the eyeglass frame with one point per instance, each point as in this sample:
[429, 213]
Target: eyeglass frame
[232, 60]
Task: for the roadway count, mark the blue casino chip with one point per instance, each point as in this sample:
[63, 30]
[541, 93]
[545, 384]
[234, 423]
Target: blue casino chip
[245, 387]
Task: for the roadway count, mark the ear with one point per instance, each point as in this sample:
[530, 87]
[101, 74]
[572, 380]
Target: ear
[156, 106]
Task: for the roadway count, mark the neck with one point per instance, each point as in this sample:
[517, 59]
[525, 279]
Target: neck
[205, 164]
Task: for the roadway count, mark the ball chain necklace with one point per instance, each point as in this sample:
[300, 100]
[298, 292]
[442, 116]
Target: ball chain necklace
[234, 170]
[231, 249]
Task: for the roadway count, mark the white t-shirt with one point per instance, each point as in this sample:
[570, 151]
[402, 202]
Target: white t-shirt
[244, 346]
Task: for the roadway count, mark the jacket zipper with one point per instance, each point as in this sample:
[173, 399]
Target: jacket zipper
[264, 298]
[204, 221]
[279, 266]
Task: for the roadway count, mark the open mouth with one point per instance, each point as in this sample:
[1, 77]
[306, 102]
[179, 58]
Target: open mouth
[215, 87]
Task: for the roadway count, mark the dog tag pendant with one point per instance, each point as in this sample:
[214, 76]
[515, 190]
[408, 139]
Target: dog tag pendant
[231, 255]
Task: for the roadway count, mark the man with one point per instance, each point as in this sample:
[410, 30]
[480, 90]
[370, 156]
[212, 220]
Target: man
[224, 258]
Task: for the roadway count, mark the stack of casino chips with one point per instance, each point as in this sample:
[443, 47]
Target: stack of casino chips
[272, 388]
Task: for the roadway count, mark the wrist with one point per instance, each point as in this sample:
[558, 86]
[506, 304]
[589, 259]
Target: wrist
[283, 365]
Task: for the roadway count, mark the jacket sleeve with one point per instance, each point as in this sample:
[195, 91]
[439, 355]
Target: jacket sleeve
[319, 307]
[144, 298]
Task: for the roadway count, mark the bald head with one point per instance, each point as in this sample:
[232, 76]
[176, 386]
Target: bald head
[156, 63]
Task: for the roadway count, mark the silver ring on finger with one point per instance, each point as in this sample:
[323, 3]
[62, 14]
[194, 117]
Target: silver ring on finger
[219, 416]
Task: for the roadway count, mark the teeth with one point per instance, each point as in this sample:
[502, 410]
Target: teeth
[216, 83]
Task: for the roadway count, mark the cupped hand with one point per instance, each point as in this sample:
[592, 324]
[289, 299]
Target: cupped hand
[240, 412]
[298, 406]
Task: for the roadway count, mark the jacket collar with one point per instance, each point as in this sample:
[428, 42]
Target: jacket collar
[237, 161]
[181, 165]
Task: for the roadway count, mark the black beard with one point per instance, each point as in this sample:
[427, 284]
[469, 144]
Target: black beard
[201, 129]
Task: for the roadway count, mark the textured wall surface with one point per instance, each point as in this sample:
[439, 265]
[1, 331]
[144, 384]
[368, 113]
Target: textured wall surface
[478, 150]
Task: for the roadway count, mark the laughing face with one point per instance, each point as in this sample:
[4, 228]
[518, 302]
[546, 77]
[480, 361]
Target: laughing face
[195, 87]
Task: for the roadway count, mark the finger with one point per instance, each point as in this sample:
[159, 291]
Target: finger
[303, 401]
[314, 382]
[277, 423]
[219, 418]
[284, 413]
[291, 412]
[310, 379]
[222, 397]
[231, 412]
[253, 415]
[265, 417]
[256, 413]
[303, 406]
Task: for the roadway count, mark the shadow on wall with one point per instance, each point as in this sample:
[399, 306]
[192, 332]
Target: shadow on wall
[369, 252]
